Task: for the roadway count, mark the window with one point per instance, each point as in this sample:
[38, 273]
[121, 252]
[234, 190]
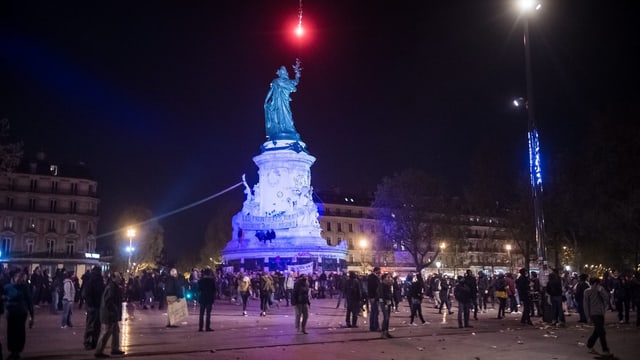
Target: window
[73, 226]
[6, 246]
[74, 188]
[73, 206]
[54, 186]
[361, 228]
[338, 212]
[53, 205]
[348, 212]
[30, 245]
[52, 225]
[71, 247]
[32, 204]
[10, 202]
[328, 226]
[339, 227]
[373, 229]
[51, 246]
[33, 185]
[8, 223]
[88, 246]
[328, 240]
[90, 225]
[53, 170]
[350, 227]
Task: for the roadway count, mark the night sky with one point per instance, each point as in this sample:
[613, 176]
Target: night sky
[164, 100]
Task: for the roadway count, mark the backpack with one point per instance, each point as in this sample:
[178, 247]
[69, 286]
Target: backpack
[501, 285]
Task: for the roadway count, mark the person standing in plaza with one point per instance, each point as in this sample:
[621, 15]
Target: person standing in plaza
[471, 282]
[445, 299]
[174, 292]
[522, 285]
[18, 305]
[462, 293]
[500, 286]
[266, 289]
[385, 298]
[300, 299]
[595, 300]
[289, 282]
[554, 290]
[206, 297]
[581, 286]
[352, 298]
[68, 295]
[110, 315]
[373, 284]
[483, 291]
[92, 289]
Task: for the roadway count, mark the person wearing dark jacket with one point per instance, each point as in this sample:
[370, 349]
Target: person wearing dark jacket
[173, 292]
[110, 315]
[581, 286]
[554, 290]
[92, 289]
[373, 282]
[522, 285]
[206, 297]
[353, 296]
[471, 282]
[386, 303]
[462, 293]
[622, 295]
[414, 296]
[300, 299]
[18, 305]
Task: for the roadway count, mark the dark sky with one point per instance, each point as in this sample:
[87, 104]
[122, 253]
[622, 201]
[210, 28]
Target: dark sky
[163, 100]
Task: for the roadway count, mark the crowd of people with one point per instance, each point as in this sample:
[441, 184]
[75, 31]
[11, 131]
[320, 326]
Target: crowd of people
[377, 295]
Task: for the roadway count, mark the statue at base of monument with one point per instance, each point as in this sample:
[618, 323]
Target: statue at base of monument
[277, 110]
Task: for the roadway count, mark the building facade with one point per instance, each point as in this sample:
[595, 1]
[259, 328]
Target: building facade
[487, 244]
[49, 217]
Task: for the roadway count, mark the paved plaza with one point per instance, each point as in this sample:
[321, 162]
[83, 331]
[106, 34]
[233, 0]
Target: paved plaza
[144, 335]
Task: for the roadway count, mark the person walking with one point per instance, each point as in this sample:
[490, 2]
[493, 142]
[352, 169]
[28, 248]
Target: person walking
[352, 298]
[415, 296]
[289, 282]
[110, 315]
[445, 299]
[18, 305]
[595, 300]
[244, 289]
[92, 289]
[300, 299]
[373, 284]
[522, 285]
[385, 298]
[206, 297]
[266, 289]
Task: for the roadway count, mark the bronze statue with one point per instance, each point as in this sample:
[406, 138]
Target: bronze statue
[277, 110]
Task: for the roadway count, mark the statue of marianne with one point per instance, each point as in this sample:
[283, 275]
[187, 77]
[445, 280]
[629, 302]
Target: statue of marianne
[277, 110]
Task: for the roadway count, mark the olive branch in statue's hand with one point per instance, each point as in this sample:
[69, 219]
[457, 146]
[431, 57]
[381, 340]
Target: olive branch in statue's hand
[297, 68]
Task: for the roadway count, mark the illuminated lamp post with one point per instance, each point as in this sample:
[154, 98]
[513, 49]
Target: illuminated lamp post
[363, 246]
[526, 8]
[131, 233]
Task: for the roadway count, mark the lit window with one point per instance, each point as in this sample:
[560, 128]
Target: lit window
[53, 169]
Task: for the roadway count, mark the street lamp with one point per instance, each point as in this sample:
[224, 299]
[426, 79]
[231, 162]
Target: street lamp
[130, 233]
[363, 246]
[526, 7]
[442, 247]
[508, 247]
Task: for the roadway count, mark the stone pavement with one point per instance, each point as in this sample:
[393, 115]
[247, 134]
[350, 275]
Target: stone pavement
[144, 335]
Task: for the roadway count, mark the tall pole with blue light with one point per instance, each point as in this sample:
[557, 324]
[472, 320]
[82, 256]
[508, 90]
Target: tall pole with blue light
[535, 169]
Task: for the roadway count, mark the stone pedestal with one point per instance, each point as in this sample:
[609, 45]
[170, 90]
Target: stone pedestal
[278, 224]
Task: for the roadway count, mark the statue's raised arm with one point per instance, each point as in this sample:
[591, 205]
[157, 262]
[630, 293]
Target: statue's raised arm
[277, 110]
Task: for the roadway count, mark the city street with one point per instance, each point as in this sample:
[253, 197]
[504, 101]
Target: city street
[144, 335]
